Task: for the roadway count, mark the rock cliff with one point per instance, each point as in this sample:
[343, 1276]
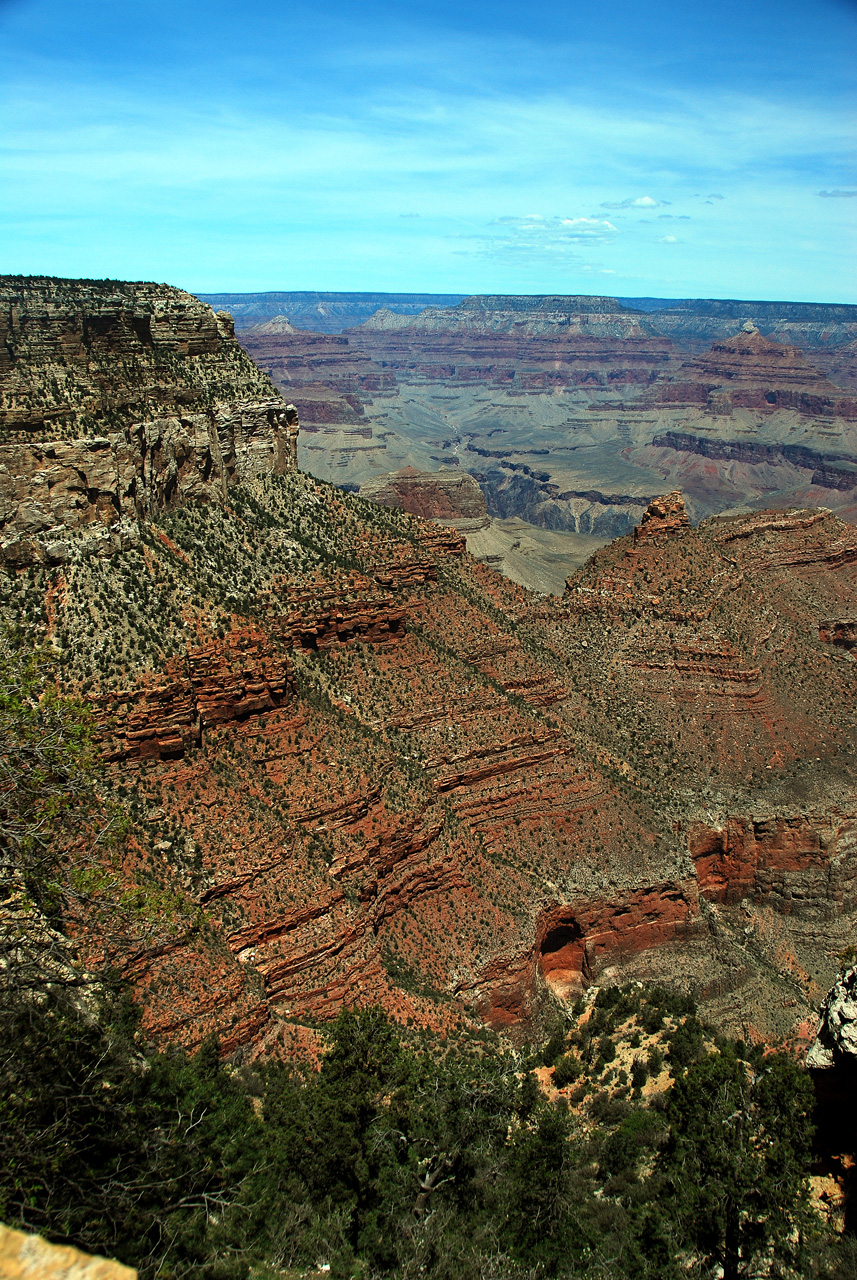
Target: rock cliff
[751, 371]
[118, 401]
[439, 495]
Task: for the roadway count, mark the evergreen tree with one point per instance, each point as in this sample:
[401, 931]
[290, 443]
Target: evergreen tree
[737, 1158]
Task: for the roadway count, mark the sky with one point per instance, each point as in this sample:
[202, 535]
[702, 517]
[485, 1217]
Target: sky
[627, 147]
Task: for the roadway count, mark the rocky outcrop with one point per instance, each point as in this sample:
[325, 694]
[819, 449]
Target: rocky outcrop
[836, 1038]
[173, 412]
[753, 372]
[29, 1257]
[214, 685]
[439, 495]
[663, 516]
[582, 942]
[797, 865]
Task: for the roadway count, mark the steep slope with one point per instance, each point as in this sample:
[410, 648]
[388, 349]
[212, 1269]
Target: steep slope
[393, 778]
[364, 767]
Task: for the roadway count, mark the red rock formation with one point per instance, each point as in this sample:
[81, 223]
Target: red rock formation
[577, 942]
[751, 371]
[797, 865]
[442, 495]
[213, 685]
[406, 781]
[663, 516]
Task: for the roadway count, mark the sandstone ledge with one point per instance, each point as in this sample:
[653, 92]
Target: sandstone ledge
[29, 1257]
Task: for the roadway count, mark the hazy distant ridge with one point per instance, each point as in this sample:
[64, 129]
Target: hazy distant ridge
[682, 318]
[323, 312]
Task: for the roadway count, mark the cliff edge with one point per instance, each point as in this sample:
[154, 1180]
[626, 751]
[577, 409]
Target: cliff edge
[119, 400]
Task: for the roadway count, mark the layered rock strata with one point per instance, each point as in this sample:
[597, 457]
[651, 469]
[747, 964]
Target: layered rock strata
[360, 766]
[119, 401]
[753, 372]
[526, 317]
[441, 495]
[476, 798]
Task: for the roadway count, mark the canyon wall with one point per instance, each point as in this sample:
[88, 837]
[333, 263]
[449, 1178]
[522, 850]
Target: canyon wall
[118, 401]
[359, 766]
[567, 411]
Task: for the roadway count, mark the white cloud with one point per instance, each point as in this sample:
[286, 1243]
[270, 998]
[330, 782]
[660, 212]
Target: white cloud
[637, 202]
[540, 235]
[668, 240]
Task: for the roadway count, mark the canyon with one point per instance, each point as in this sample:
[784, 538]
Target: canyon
[571, 413]
[359, 764]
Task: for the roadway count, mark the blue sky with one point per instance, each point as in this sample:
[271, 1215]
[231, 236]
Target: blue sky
[652, 148]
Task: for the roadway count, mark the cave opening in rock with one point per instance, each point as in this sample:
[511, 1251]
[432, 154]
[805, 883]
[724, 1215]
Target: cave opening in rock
[558, 938]
[561, 955]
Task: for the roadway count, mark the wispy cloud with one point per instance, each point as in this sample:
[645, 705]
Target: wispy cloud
[831, 195]
[536, 238]
[558, 231]
[634, 202]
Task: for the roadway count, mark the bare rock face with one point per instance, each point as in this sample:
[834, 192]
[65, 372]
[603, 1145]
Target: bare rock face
[836, 1038]
[118, 401]
[441, 495]
[663, 516]
[546, 316]
[29, 1257]
[751, 371]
